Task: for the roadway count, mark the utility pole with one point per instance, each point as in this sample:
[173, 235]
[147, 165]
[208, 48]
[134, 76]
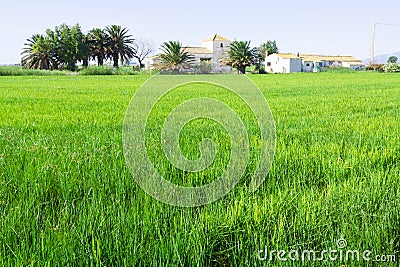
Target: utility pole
[373, 38]
[373, 45]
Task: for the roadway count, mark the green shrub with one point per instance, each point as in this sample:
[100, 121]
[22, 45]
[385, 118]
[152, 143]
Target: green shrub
[92, 70]
[391, 67]
[96, 70]
[261, 70]
[339, 70]
[203, 68]
[104, 70]
[126, 70]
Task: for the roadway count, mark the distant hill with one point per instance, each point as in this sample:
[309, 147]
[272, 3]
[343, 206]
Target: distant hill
[381, 59]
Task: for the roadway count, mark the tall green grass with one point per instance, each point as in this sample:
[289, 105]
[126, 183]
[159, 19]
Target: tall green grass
[68, 199]
[105, 70]
[339, 70]
[91, 70]
[18, 71]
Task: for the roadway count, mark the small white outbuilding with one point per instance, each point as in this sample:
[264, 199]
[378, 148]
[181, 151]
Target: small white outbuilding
[283, 63]
[289, 63]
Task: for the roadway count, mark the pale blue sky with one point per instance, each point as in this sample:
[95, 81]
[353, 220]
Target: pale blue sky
[322, 27]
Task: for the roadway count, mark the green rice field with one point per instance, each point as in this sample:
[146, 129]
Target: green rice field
[67, 197]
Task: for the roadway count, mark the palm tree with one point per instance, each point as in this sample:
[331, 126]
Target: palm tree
[241, 56]
[53, 40]
[174, 56]
[37, 53]
[119, 43]
[97, 39]
[84, 50]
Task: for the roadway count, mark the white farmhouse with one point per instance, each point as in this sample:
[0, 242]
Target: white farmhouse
[283, 63]
[212, 50]
[289, 63]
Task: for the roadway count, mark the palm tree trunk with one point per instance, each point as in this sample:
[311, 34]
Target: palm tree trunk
[44, 65]
[115, 59]
[241, 70]
[85, 62]
[55, 65]
[100, 60]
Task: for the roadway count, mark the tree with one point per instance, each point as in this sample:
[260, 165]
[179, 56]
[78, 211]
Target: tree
[98, 47]
[37, 54]
[66, 45]
[175, 57]
[392, 59]
[119, 43]
[69, 45]
[241, 55]
[269, 47]
[84, 50]
[54, 42]
[142, 48]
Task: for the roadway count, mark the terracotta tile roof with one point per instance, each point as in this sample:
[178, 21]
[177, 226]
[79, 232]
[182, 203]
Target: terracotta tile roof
[329, 58]
[314, 58]
[216, 37]
[320, 58]
[287, 55]
[355, 63]
[197, 50]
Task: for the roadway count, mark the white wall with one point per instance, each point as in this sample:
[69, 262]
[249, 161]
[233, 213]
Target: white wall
[218, 54]
[282, 65]
[198, 57]
[150, 61]
[295, 65]
[354, 66]
[209, 45]
[308, 66]
[273, 64]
